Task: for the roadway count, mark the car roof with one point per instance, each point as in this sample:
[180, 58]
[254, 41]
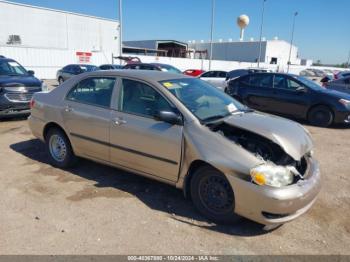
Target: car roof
[160, 64]
[6, 59]
[139, 64]
[147, 75]
[270, 73]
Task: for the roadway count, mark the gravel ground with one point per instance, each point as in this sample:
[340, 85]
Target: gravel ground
[94, 209]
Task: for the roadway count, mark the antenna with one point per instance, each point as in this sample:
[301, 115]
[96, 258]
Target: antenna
[242, 22]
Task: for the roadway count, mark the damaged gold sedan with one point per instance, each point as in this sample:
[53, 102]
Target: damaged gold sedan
[232, 161]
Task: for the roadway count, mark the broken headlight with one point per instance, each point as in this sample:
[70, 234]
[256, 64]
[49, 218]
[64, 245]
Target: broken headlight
[272, 175]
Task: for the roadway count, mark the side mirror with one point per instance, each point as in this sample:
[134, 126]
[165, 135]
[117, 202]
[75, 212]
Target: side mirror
[169, 117]
[301, 89]
[31, 72]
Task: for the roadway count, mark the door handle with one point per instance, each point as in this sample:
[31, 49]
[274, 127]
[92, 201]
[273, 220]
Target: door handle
[68, 109]
[119, 121]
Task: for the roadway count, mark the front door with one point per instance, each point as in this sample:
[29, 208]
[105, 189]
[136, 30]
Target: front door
[288, 99]
[140, 142]
[87, 116]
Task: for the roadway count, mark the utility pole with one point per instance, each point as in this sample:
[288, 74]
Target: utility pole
[348, 63]
[211, 32]
[261, 31]
[291, 42]
[120, 30]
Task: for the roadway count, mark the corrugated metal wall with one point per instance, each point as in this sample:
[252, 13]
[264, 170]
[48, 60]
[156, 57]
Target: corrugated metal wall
[51, 38]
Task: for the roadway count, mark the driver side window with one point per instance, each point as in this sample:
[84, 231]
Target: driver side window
[141, 99]
[293, 85]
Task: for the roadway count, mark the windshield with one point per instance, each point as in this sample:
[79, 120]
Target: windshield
[170, 69]
[205, 101]
[11, 68]
[309, 83]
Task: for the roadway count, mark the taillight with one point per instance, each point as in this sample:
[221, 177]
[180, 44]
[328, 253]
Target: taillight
[32, 103]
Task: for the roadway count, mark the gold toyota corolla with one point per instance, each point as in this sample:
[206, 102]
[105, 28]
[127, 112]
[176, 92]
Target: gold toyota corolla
[180, 130]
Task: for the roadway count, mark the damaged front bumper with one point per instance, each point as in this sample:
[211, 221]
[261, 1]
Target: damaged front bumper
[273, 206]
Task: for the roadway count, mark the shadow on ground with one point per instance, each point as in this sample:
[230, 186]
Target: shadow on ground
[155, 195]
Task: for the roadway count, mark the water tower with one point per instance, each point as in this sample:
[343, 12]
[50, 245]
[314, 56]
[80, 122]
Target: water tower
[242, 22]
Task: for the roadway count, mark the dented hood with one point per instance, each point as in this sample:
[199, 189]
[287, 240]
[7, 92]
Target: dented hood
[289, 135]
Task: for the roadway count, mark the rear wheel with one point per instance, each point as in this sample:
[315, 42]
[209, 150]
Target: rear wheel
[213, 196]
[59, 149]
[320, 116]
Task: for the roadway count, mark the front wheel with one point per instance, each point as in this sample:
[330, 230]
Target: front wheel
[59, 149]
[320, 116]
[213, 196]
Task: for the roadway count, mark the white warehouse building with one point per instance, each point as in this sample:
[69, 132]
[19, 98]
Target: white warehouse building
[272, 51]
[45, 40]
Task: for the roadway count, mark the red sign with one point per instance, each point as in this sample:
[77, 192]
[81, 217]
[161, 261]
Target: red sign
[84, 57]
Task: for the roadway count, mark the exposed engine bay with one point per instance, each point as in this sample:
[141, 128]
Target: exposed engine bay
[260, 146]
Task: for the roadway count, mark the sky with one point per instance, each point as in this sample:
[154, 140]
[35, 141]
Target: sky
[322, 30]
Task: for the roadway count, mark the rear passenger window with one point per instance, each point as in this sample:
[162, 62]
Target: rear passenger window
[258, 80]
[95, 91]
[209, 74]
[222, 74]
[244, 81]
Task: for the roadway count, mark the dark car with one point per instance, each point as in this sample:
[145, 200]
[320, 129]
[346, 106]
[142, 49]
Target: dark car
[74, 69]
[291, 95]
[17, 86]
[342, 85]
[153, 66]
[110, 67]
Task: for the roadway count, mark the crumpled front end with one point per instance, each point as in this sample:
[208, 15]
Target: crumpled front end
[273, 206]
[239, 144]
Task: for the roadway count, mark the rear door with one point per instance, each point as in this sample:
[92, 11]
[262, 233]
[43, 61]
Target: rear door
[288, 99]
[140, 142]
[87, 116]
[257, 91]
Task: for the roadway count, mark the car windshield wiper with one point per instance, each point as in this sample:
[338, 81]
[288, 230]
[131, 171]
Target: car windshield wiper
[215, 117]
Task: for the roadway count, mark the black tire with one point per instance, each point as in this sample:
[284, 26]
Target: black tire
[320, 116]
[213, 196]
[60, 80]
[57, 159]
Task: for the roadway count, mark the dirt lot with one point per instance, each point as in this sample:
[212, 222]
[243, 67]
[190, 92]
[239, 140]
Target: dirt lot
[93, 209]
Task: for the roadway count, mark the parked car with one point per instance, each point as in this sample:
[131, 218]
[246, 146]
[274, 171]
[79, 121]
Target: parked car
[307, 73]
[292, 95]
[216, 78]
[318, 72]
[311, 75]
[110, 67]
[342, 85]
[184, 132]
[153, 66]
[72, 70]
[342, 74]
[193, 72]
[17, 86]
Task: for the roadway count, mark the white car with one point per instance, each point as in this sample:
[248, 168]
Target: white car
[216, 78]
